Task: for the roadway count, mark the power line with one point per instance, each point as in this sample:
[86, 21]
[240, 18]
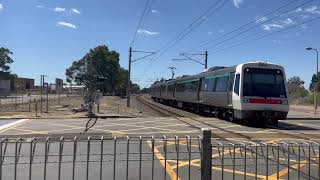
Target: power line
[269, 34]
[197, 22]
[175, 40]
[247, 36]
[139, 24]
[255, 26]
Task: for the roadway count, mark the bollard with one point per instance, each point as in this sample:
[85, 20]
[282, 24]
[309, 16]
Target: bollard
[29, 104]
[59, 99]
[206, 153]
[36, 106]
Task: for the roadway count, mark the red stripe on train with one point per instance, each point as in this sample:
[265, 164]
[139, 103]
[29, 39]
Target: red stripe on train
[265, 101]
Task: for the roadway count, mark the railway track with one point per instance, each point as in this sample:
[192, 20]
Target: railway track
[169, 111]
[178, 114]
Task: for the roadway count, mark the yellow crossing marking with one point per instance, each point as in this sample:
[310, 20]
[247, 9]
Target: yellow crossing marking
[169, 169]
[294, 167]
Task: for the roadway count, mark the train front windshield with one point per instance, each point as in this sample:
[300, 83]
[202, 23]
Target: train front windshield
[263, 83]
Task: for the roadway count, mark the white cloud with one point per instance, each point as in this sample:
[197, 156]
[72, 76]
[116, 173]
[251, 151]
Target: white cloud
[277, 41]
[298, 9]
[304, 16]
[260, 19]
[146, 32]
[59, 9]
[221, 31]
[237, 3]
[304, 26]
[66, 24]
[288, 21]
[154, 11]
[75, 11]
[39, 6]
[269, 27]
[210, 32]
[312, 10]
[1, 7]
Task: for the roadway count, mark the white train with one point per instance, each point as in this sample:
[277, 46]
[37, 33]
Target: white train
[253, 91]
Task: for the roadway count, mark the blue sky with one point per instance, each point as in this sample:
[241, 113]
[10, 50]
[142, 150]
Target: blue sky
[46, 36]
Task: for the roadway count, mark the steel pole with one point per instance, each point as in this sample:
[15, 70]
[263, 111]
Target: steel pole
[41, 89]
[206, 60]
[129, 80]
[316, 86]
[47, 108]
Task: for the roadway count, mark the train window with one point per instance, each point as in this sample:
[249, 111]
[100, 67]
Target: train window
[170, 87]
[180, 87]
[236, 84]
[192, 86]
[209, 84]
[263, 83]
[222, 84]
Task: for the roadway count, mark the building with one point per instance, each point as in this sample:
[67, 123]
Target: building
[24, 83]
[5, 84]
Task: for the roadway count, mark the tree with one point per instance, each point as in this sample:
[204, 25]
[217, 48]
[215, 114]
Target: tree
[99, 64]
[312, 83]
[121, 87]
[296, 87]
[135, 88]
[5, 59]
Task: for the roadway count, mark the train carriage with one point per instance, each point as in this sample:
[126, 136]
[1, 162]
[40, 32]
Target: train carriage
[254, 91]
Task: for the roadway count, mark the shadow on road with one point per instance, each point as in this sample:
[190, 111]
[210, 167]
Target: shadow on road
[287, 126]
[302, 118]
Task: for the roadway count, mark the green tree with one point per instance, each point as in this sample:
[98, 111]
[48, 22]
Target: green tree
[121, 87]
[312, 83]
[135, 88]
[296, 87]
[100, 65]
[5, 59]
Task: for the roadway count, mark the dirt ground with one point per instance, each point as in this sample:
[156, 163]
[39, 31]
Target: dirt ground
[109, 106]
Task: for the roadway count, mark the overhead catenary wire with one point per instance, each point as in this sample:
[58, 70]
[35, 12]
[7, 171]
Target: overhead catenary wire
[246, 37]
[264, 22]
[139, 23]
[269, 34]
[255, 26]
[189, 28]
[247, 24]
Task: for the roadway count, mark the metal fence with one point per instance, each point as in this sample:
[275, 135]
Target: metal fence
[29, 103]
[155, 158]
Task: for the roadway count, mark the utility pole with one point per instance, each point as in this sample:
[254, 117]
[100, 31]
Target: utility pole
[41, 91]
[206, 60]
[316, 80]
[47, 97]
[129, 78]
[129, 73]
[172, 71]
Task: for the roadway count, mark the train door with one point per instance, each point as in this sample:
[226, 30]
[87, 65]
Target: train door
[199, 94]
[230, 89]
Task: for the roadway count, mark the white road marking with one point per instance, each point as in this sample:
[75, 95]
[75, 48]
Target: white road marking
[3, 127]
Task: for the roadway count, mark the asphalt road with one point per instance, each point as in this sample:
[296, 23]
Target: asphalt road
[299, 127]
